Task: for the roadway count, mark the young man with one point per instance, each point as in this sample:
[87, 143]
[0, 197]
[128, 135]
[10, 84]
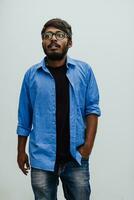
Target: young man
[58, 109]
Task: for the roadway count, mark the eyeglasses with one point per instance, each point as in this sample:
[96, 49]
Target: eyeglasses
[59, 35]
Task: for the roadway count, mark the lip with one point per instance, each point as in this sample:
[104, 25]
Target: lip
[53, 46]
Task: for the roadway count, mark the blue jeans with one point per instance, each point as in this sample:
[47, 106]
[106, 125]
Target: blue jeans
[74, 178]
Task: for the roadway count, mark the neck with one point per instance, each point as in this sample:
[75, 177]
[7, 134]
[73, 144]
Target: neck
[56, 63]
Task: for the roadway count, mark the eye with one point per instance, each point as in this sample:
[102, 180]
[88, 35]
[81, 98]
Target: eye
[60, 35]
[47, 35]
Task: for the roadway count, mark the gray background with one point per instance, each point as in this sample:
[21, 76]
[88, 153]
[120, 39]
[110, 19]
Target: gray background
[103, 36]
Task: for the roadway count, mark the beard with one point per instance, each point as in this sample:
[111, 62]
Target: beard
[56, 55]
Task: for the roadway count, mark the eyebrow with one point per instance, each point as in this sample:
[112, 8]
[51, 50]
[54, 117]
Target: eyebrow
[54, 32]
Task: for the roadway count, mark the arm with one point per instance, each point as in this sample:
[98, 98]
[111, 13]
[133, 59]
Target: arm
[91, 121]
[24, 125]
[22, 157]
[92, 111]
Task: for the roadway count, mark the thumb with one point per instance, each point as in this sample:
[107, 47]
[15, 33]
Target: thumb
[27, 163]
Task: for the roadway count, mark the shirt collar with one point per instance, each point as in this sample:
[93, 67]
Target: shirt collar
[70, 63]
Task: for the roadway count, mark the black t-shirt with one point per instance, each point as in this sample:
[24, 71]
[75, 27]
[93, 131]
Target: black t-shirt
[62, 113]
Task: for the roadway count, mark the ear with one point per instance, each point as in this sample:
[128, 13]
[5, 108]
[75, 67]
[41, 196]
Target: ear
[70, 43]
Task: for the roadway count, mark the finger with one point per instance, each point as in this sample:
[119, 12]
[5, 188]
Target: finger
[27, 164]
[81, 150]
[25, 171]
[23, 168]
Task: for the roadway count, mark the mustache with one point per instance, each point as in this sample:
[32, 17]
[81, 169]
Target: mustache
[53, 43]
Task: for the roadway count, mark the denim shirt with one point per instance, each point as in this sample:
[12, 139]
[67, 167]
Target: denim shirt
[37, 110]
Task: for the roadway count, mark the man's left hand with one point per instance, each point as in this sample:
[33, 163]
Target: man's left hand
[84, 150]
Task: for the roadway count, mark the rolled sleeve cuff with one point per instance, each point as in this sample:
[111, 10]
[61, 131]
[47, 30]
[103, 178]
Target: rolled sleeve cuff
[93, 110]
[22, 131]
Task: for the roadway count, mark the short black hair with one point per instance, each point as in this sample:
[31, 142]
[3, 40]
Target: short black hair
[59, 24]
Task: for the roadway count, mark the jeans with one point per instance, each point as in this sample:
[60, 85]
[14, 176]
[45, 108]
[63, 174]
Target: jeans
[74, 178]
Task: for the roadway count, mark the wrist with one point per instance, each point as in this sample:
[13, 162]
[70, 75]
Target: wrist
[21, 151]
[87, 145]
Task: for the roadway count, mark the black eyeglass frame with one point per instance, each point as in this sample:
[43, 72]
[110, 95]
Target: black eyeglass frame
[55, 34]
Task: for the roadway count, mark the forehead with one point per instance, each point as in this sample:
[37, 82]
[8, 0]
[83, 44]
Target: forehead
[52, 29]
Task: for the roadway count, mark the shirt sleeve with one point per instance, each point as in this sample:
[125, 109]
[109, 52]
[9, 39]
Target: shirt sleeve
[24, 109]
[92, 95]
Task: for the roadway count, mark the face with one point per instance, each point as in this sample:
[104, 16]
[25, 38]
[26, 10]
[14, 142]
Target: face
[56, 48]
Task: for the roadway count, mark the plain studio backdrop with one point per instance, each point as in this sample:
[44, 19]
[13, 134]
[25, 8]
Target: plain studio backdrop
[103, 36]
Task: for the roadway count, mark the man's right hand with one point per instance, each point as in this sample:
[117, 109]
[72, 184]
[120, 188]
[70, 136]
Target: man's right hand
[23, 162]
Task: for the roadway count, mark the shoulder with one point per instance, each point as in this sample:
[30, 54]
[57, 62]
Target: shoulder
[30, 72]
[81, 66]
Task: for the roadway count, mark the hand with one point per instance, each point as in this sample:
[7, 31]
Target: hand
[84, 151]
[23, 162]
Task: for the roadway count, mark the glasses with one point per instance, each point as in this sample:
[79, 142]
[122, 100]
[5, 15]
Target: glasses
[59, 35]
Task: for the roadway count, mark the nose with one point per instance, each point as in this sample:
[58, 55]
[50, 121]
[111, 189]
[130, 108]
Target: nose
[53, 37]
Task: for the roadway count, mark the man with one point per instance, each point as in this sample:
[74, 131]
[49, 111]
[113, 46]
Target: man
[58, 109]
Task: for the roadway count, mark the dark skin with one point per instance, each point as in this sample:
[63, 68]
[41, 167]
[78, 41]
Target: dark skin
[22, 157]
[66, 42]
[91, 120]
[85, 150]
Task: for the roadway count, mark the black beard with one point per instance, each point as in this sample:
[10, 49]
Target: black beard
[56, 56]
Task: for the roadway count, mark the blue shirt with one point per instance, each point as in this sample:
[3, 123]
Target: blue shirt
[37, 110]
